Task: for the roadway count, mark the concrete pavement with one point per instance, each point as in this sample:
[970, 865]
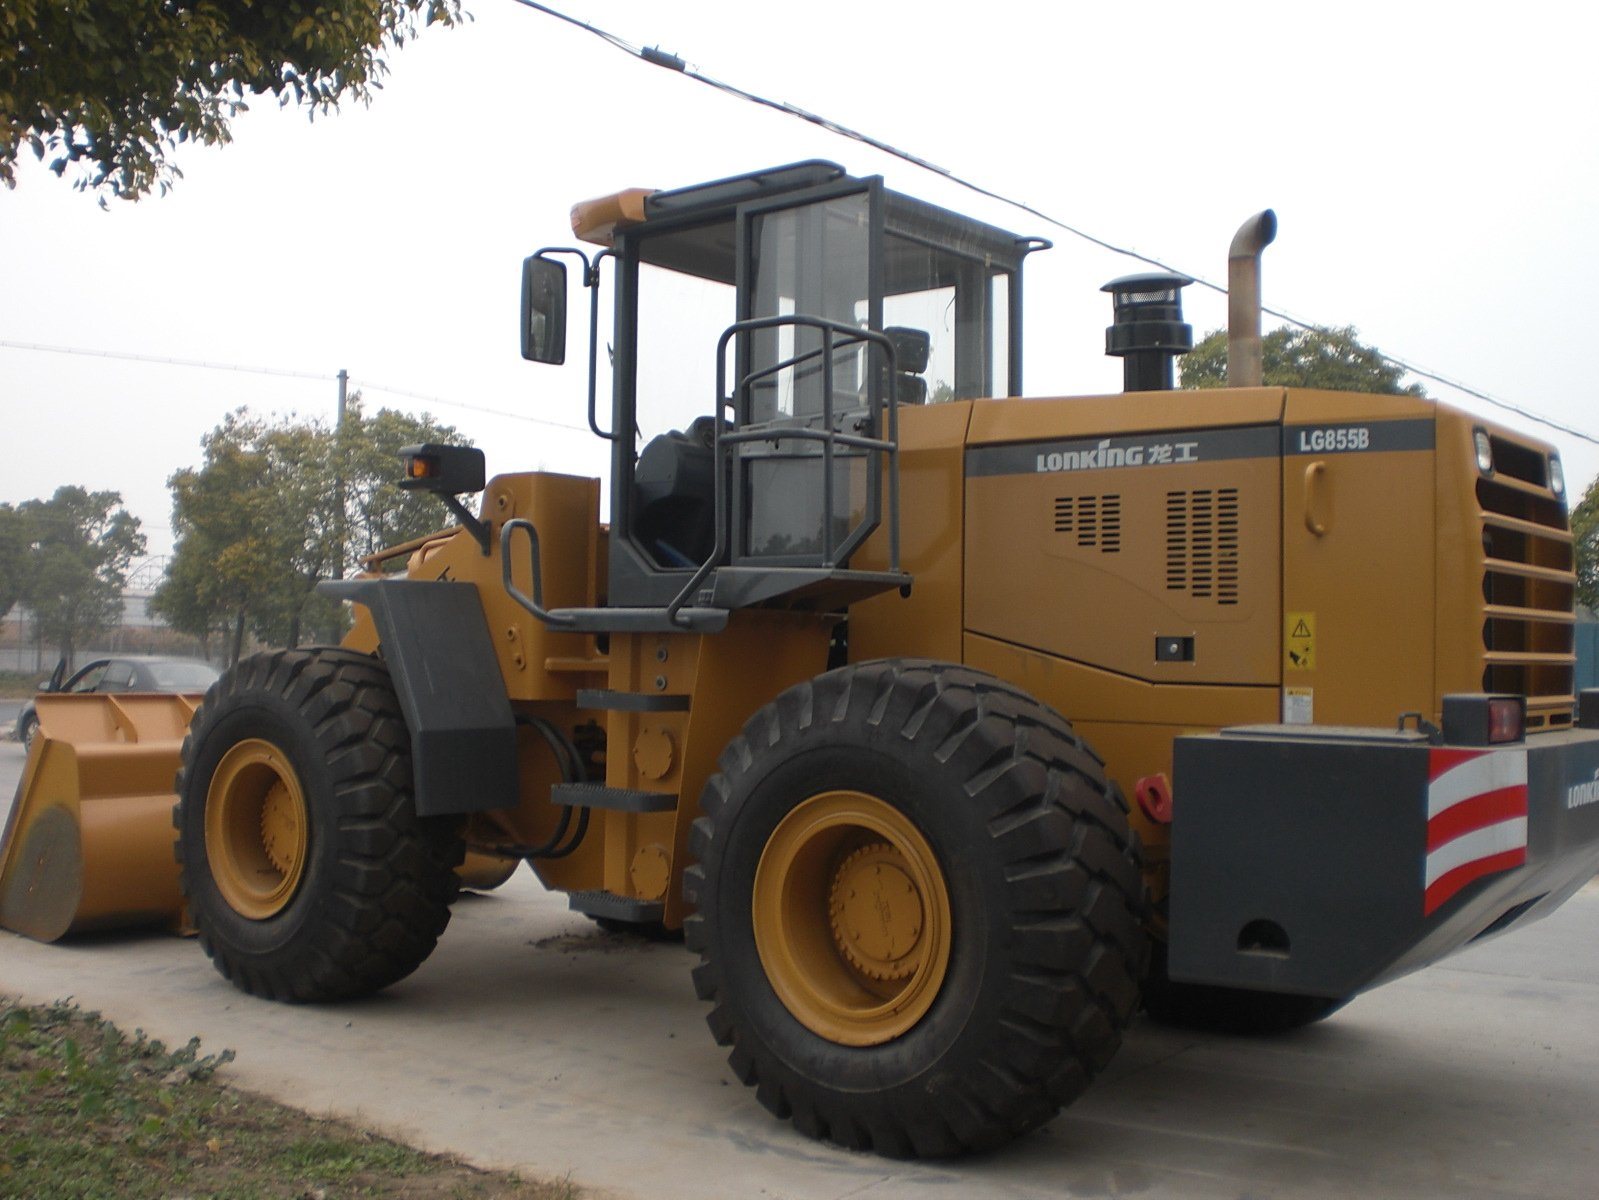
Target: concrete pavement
[529, 1040]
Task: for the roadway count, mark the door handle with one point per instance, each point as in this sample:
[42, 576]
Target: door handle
[1316, 502]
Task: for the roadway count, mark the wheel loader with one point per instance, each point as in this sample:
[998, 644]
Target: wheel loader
[950, 728]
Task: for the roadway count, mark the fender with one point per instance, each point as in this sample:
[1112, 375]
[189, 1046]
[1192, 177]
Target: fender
[436, 644]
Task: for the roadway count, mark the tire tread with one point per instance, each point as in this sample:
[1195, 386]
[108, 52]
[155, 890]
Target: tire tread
[1073, 884]
[388, 896]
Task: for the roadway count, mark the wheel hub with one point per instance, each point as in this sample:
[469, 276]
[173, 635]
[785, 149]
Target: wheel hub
[876, 912]
[281, 827]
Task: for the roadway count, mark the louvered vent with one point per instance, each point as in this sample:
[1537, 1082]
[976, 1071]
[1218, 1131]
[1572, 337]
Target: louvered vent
[1094, 522]
[1202, 544]
[1528, 590]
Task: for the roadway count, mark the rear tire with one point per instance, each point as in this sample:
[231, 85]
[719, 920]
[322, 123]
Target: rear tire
[985, 981]
[308, 874]
[30, 730]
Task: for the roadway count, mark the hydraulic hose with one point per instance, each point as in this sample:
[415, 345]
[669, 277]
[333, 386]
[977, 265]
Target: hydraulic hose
[570, 761]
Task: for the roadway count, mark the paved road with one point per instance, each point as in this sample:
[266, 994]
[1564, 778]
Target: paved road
[8, 717]
[530, 1041]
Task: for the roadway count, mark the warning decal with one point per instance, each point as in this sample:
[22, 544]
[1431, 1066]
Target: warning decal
[1476, 819]
[1299, 641]
[1299, 706]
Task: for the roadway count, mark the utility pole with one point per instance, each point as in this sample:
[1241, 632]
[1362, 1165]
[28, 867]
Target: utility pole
[338, 475]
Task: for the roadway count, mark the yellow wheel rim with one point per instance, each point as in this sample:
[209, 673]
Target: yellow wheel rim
[256, 829]
[852, 918]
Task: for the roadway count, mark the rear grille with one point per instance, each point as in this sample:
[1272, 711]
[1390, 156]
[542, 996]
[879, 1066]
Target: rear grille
[1202, 544]
[1095, 522]
[1528, 591]
[1519, 462]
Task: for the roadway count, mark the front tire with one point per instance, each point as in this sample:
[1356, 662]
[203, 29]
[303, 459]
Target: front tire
[308, 874]
[919, 909]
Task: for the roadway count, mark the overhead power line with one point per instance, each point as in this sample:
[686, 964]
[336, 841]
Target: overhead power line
[673, 62]
[366, 385]
[238, 368]
[285, 373]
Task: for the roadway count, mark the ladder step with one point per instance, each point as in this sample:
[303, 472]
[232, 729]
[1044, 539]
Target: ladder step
[617, 908]
[630, 701]
[597, 795]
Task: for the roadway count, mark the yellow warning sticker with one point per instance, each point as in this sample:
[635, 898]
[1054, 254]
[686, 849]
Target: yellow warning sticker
[1299, 641]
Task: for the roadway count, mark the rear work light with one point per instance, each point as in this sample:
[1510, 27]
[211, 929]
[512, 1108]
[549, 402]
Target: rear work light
[1484, 720]
[1485, 452]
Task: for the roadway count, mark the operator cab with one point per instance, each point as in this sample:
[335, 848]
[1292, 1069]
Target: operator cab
[768, 327]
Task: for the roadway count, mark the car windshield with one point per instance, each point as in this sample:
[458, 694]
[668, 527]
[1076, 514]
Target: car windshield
[183, 676]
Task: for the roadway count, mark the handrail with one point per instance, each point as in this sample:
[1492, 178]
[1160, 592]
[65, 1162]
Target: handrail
[836, 335]
[534, 603]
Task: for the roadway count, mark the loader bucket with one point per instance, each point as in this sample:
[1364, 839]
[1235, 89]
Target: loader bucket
[89, 841]
[485, 872]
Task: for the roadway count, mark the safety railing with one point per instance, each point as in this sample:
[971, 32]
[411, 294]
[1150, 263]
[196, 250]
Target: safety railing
[881, 452]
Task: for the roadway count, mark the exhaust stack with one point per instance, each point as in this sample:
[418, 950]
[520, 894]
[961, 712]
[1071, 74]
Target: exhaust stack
[1245, 366]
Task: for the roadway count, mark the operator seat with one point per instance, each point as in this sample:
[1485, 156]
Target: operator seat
[912, 348]
[674, 496]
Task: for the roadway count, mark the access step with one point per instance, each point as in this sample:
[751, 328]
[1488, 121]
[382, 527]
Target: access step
[599, 903]
[597, 795]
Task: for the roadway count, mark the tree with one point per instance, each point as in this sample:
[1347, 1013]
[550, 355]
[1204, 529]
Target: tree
[224, 564]
[110, 88]
[1585, 533]
[13, 552]
[260, 524]
[380, 512]
[1334, 359]
[79, 545]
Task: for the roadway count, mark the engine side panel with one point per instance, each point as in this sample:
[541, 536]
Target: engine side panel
[1152, 555]
[1359, 539]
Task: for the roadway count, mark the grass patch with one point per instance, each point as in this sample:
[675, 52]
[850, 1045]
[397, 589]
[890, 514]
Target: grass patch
[88, 1112]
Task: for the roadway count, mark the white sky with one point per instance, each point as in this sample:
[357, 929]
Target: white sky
[1434, 168]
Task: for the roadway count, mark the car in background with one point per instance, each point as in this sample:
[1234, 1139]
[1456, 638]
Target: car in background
[128, 673]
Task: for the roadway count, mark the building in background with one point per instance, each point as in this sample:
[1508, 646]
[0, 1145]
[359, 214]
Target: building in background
[138, 632]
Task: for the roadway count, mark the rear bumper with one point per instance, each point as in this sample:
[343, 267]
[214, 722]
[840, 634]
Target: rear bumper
[1326, 862]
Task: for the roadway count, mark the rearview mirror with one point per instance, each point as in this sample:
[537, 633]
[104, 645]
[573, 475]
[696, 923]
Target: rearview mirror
[543, 310]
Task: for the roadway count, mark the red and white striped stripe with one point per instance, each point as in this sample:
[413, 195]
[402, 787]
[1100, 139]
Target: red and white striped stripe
[1476, 818]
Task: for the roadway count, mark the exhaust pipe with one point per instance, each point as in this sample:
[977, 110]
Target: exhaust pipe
[1245, 366]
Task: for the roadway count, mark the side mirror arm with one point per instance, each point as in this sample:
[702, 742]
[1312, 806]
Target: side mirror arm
[591, 280]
